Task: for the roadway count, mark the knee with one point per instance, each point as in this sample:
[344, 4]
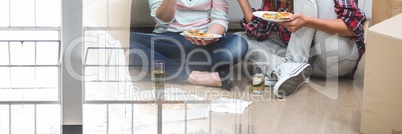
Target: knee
[134, 35]
[240, 45]
[139, 38]
[244, 46]
[233, 48]
[134, 38]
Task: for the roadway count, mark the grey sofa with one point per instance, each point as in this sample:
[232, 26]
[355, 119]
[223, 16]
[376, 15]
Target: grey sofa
[140, 16]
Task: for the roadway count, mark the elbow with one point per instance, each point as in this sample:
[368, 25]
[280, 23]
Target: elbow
[163, 22]
[348, 33]
[164, 18]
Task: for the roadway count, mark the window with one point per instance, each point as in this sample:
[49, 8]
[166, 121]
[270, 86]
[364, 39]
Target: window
[30, 66]
[113, 102]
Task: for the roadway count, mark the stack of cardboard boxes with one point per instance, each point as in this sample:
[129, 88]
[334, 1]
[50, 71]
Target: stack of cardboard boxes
[382, 95]
[385, 9]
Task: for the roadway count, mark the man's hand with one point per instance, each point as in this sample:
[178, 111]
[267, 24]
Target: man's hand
[201, 42]
[295, 22]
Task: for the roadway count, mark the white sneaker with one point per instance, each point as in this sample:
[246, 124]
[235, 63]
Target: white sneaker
[290, 77]
[270, 82]
[307, 80]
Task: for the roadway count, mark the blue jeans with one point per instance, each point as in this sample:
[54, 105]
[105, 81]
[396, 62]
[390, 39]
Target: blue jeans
[181, 56]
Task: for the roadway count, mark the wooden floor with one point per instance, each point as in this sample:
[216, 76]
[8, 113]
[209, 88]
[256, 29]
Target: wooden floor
[313, 109]
[321, 107]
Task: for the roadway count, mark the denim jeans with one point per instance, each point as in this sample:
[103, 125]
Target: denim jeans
[181, 56]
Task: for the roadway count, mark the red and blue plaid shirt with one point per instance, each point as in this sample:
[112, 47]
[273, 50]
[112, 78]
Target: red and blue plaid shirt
[347, 11]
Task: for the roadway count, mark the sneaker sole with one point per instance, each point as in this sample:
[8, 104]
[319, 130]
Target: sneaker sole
[286, 87]
[270, 83]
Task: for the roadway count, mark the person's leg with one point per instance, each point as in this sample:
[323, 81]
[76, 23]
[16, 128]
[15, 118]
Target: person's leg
[228, 51]
[296, 71]
[269, 52]
[142, 54]
[332, 55]
[300, 42]
[170, 45]
[216, 59]
[185, 61]
[335, 59]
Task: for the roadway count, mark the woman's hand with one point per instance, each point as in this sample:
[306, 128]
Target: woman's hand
[295, 22]
[336, 26]
[201, 42]
[213, 29]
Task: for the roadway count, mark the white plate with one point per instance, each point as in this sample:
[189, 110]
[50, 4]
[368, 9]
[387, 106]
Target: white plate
[214, 36]
[260, 13]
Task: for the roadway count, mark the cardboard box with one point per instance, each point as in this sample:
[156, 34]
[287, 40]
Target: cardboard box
[385, 9]
[382, 94]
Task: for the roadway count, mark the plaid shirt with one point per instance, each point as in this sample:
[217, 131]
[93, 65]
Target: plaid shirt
[347, 11]
[259, 29]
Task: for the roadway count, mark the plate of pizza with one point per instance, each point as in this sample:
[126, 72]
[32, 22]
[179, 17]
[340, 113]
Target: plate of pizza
[200, 35]
[273, 16]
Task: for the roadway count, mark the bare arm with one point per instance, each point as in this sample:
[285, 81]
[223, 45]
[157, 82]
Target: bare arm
[166, 11]
[330, 26]
[246, 9]
[336, 26]
[216, 29]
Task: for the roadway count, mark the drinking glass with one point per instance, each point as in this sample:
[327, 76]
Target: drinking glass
[158, 78]
[258, 83]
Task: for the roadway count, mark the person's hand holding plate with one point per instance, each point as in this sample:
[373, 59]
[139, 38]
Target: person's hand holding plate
[200, 38]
